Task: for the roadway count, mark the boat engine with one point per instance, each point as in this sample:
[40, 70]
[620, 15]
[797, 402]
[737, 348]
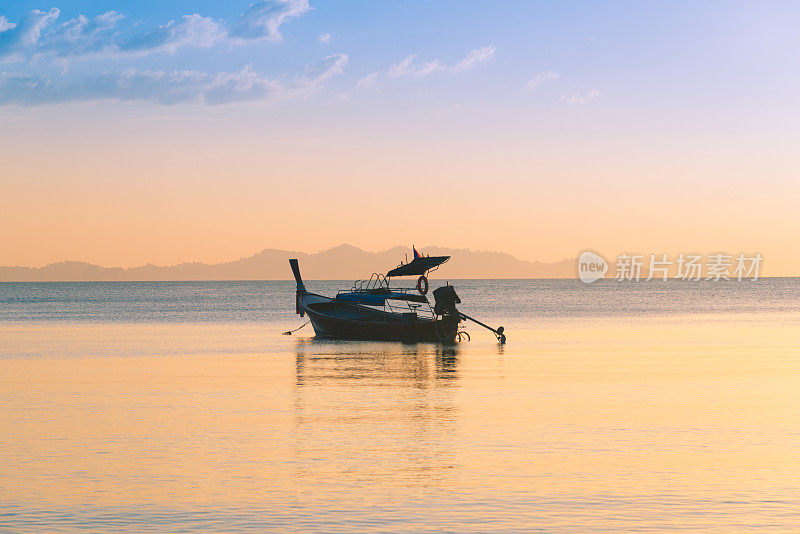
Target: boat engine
[445, 300]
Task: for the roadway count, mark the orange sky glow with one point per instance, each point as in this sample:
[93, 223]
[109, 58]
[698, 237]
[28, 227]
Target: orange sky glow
[599, 150]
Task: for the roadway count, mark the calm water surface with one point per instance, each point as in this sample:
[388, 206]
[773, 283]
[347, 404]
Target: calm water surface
[169, 407]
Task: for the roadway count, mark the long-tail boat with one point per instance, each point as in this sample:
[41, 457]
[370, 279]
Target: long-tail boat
[374, 309]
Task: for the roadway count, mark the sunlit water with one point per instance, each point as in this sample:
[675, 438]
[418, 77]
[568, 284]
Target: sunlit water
[614, 407]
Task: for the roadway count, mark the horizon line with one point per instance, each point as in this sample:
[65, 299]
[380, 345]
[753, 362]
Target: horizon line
[198, 262]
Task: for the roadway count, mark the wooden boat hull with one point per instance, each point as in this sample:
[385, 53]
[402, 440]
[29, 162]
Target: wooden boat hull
[339, 320]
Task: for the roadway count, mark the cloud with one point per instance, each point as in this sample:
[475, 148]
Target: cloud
[540, 78]
[369, 81]
[477, 57]
[262, 20]
[174, 87]
[243, 86]
[190, 31]
[429, 67]
[19, 37]
[407, 66]
[5, 25]
[37, 33]
[324, 38]
[156, 86]
[175, 118]
[24, 88]
[402, 67]
[321, 71]
[81, 36]
[581, 98]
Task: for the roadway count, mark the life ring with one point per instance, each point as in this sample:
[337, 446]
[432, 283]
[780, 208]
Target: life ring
[422, 285]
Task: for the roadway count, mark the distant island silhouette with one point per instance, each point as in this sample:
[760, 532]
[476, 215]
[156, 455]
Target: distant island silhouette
[344, 262]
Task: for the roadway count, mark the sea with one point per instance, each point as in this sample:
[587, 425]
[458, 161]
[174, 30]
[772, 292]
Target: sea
[617, 406]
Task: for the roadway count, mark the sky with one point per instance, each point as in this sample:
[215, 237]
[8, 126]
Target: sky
[161, 132]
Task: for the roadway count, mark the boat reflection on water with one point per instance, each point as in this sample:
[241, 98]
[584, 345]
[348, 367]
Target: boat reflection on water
[367, 413]
[417, 364]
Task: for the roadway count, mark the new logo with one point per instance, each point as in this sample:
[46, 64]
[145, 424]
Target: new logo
[591, 267]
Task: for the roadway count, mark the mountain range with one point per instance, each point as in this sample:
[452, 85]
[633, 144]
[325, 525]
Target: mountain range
[344, 262]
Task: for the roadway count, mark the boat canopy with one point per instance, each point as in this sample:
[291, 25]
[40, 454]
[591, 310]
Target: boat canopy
[378, 299]
[418, 266]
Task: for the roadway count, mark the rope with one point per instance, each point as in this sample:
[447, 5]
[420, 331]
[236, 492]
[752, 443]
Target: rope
[289, 332]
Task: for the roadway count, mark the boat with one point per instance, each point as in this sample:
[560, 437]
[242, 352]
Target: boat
[377, 310]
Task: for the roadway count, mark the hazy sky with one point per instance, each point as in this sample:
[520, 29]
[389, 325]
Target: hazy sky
[171, 131]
